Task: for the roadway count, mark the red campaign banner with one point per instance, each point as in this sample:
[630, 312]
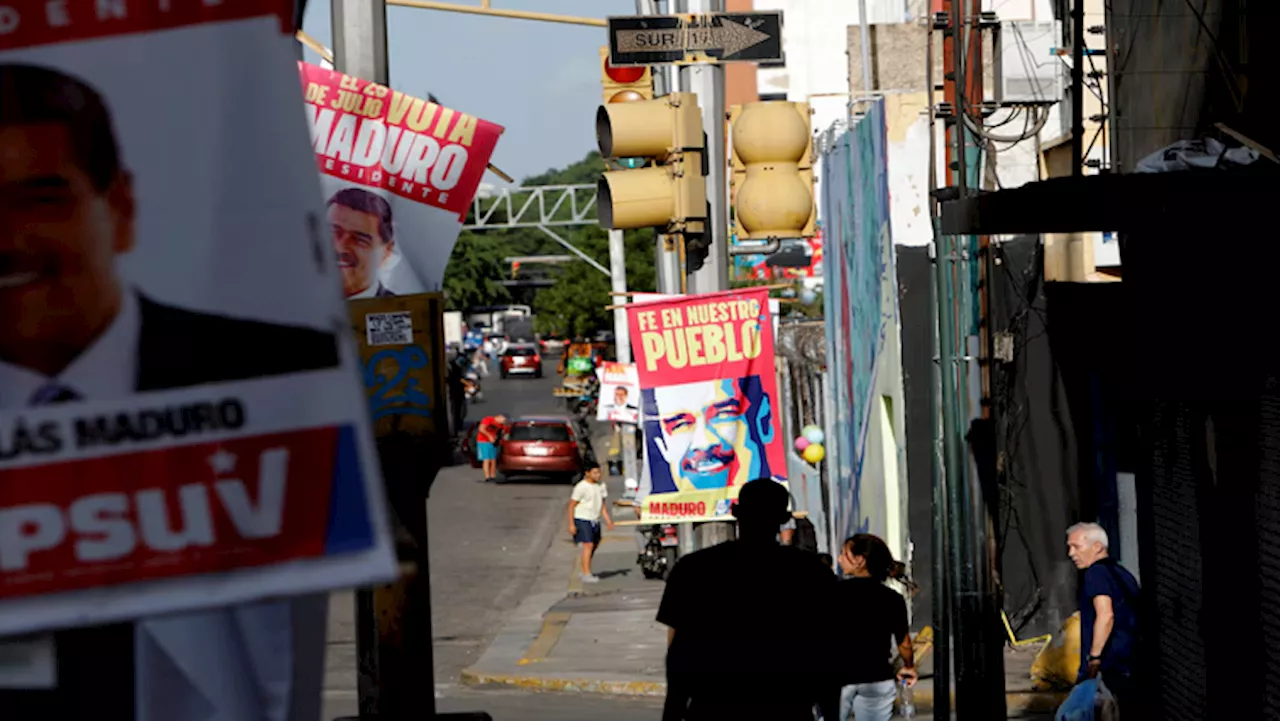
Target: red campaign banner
[166, 513]
[25, 23]
[374, 136]
[694, 338]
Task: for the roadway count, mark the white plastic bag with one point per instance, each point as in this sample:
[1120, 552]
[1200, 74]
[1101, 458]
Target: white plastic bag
[1204, 154]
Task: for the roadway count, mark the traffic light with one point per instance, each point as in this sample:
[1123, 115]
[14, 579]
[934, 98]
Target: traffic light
[772, 162]
[671, 194]
[625, 85]
[515, 269]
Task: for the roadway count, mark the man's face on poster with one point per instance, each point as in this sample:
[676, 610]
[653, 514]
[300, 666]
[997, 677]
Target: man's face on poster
[620, 396]
[707, 437]
[59, 231]
[361, 250]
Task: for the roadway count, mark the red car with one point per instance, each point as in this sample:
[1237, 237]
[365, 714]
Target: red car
[521, 359]
[541, 446]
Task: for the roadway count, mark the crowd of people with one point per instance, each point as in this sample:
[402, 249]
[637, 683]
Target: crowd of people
[849, 653]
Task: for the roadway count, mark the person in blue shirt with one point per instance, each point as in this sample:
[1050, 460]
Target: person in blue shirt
[1108, 617]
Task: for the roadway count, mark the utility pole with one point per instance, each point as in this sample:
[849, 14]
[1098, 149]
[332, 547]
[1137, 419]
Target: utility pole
[1077, 87]
[622, 338]
[393, 622]
[360, 39]
[707, 80]
[669, 269]
[977, 648]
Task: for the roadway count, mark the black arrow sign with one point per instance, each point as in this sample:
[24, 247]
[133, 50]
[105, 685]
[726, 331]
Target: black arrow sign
[713, 37]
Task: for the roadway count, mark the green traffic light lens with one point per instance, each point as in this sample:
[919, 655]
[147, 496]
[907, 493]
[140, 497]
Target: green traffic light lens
[631, 163]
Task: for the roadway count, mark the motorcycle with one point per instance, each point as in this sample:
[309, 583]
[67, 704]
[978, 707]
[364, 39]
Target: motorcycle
[660, 550]
[471, 382]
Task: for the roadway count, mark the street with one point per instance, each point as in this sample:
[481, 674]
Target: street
[487, 542]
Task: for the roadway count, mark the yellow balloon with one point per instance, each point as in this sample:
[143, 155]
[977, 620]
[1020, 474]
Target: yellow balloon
[814, 453]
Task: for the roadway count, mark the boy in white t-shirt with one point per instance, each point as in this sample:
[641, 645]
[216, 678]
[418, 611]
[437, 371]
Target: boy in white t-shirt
[586, 508]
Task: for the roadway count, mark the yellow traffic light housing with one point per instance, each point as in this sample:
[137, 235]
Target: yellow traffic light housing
[672, 194]
[772, 163]
[625, 84]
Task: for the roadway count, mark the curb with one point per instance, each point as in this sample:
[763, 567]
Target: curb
[475, 677]
[1017, 702]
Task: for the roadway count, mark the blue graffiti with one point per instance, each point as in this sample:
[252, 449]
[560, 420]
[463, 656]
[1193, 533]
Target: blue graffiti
[410, 400]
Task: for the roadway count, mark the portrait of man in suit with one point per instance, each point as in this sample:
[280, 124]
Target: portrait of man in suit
[364, 240]
[73, 328]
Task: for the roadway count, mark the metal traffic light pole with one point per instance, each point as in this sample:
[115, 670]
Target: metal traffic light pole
[707, 80]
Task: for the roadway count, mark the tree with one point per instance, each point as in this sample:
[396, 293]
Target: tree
[473, 276]
[477, 266]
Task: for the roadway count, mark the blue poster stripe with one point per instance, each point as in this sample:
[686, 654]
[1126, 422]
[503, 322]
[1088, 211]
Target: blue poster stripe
[350, 526]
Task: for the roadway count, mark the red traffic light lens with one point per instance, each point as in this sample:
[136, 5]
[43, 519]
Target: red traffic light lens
[623, 75]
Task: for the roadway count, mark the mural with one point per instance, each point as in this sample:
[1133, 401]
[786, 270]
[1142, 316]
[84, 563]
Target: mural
[860, 303]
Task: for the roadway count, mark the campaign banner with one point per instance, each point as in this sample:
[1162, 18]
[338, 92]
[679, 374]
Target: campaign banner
[398, 175]
[181, 421]
[708, 390]
[619, 393]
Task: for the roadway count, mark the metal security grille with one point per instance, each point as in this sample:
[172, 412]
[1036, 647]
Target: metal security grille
[1172, 563]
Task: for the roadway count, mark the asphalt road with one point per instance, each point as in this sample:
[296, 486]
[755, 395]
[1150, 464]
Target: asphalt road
[486, 543]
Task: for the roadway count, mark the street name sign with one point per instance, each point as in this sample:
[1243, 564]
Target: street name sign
[703, 38]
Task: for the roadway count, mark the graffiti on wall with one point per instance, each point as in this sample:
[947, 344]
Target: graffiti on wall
[860, 297]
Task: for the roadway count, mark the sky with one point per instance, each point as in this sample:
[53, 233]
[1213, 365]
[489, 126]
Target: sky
[541, 81]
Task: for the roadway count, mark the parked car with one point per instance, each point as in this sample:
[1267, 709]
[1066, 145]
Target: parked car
[521, 359]
[541, 446]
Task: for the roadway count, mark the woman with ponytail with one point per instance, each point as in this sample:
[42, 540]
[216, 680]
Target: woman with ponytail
[873, 619]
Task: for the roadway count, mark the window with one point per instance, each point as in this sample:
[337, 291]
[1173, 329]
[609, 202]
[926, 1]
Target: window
[772, 65]
[520, 352]
[539, 432]
[766, 97]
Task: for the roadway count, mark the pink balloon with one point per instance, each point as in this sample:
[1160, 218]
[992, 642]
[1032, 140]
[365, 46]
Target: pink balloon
[801, 444]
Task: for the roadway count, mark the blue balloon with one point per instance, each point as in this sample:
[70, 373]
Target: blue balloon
[815, 435]
[808, 297]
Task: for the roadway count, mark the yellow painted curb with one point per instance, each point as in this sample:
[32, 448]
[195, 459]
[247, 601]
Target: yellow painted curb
[1017, 702]
[473, 677]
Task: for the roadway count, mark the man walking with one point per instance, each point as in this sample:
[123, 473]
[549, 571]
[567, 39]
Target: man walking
[586, 508]
[735, 650]
[491, 428]
[1108, 617]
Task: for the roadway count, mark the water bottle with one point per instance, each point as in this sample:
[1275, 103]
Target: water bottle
[906, 701]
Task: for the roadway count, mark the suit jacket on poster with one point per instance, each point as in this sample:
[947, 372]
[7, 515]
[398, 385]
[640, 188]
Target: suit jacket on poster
[177, 348]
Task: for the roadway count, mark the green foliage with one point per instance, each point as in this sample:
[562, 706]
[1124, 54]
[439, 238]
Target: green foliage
[575, 304]
[474, 273]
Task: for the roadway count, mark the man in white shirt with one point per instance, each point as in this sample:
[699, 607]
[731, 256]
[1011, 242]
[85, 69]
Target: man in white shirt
[586, 508]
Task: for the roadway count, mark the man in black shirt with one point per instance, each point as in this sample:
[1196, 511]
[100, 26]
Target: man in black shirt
[1108, 616]
[873, 621]
[737, 648]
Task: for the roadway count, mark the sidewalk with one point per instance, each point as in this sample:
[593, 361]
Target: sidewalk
[602, 638]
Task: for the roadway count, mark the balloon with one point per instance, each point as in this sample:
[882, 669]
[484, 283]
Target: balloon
[809, 429]
[808, 297]
[814, 453]
[815, 435]
[801, 444]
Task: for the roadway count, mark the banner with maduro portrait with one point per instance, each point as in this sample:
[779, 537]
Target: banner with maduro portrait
[398, 174]
[709, 401]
